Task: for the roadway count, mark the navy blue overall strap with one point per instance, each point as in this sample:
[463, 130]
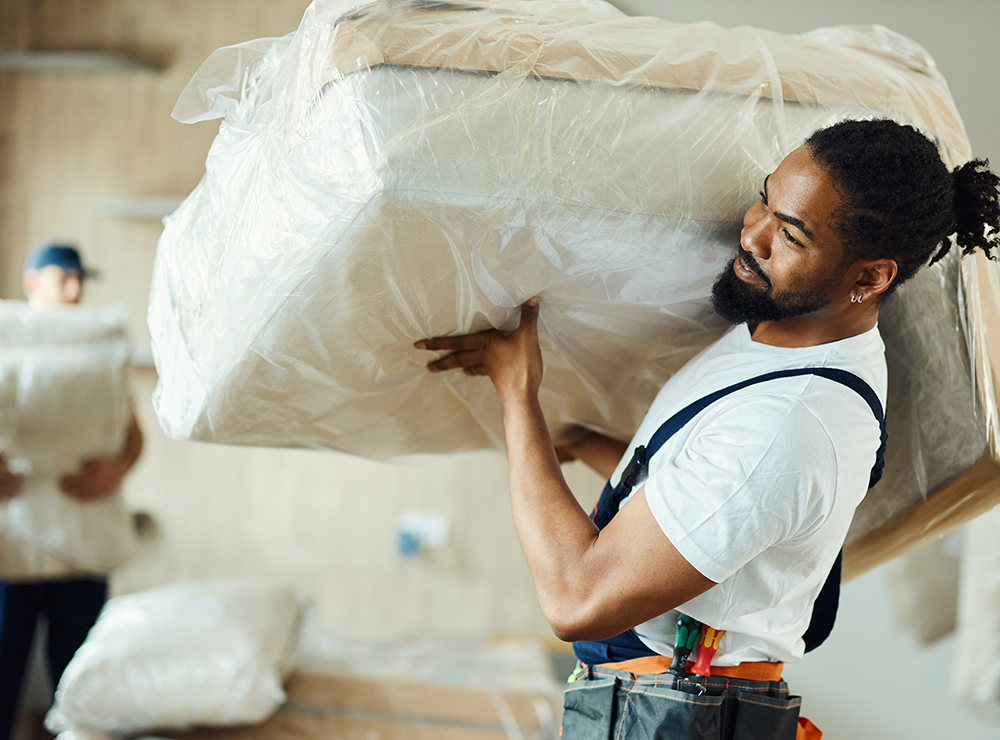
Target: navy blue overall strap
[612, 496]
[626, 646]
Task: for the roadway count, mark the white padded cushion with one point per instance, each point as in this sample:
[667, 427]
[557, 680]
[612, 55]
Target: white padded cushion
[197, 653]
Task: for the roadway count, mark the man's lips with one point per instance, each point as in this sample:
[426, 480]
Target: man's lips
[745, 273]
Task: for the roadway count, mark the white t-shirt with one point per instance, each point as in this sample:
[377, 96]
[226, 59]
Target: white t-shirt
[758, 490]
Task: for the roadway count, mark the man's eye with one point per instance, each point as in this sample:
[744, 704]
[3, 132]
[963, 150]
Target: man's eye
[789, 237]
[763, 197]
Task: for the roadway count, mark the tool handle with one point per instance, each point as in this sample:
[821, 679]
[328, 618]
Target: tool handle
[708, 645]
[685, 638]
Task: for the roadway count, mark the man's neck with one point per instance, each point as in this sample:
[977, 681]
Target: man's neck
[812, 330]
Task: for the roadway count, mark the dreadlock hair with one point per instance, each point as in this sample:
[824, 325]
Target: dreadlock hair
[900, 201]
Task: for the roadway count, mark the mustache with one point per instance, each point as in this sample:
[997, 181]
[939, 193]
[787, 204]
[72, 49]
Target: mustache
[751, 262]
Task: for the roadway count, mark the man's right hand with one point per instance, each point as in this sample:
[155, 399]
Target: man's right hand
[511, 359]
[10, 484]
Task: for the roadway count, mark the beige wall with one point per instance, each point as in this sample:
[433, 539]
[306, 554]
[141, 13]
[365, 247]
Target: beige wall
[961, 35]
[320, 520]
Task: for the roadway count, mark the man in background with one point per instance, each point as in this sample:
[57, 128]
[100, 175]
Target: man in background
[54, 277]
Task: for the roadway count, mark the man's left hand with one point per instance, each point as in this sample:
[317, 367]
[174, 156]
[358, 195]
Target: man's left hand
[97, 477]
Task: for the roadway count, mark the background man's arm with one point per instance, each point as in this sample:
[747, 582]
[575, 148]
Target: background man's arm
[591, 584]
[100, 476]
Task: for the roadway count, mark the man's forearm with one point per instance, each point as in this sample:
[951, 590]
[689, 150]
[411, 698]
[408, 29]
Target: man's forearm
[553, 529]
[588, 585]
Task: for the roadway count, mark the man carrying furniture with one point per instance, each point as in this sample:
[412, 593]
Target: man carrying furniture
[770, 438]
[53, 277]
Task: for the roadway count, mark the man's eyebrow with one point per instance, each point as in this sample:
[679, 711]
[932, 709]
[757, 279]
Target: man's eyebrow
[796, 222]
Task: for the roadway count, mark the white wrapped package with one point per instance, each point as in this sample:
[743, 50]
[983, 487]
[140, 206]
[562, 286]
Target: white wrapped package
[196, 653]
[975, 675]
[64, 398]
[404, 170]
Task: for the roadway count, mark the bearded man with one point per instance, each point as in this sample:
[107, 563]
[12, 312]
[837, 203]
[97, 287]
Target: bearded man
[724, 524]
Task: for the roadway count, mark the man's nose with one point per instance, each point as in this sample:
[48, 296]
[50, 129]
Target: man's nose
[753, 238]
[72, 288]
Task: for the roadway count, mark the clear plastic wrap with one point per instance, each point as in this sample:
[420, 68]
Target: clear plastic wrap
[195, 653]
[401, 170]
[63, 398]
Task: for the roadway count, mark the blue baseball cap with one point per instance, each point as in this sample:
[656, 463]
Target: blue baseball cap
[61, 255]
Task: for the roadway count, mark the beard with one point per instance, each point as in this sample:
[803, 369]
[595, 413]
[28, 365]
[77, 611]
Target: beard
[742, 303]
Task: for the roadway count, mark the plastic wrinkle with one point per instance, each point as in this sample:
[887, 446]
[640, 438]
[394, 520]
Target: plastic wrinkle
[397, 171]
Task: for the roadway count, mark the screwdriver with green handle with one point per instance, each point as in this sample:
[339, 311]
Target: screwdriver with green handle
[685, 638]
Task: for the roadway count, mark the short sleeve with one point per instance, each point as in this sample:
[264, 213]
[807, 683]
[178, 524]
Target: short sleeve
[749, 474]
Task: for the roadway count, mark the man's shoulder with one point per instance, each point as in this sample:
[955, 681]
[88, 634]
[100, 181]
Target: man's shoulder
[736, 358]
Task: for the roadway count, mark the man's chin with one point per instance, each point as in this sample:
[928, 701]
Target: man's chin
[741, 303]
[738, 302]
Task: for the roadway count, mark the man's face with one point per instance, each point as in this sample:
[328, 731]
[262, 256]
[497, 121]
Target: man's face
[52, 286]
[790, 259]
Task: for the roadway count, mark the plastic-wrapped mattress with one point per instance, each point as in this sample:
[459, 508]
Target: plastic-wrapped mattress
[401, 170]
[63, 399]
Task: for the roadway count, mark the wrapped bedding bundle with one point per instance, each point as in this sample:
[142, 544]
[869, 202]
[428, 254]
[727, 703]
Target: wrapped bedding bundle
[401, 170]
[189, 653]
[63, 399]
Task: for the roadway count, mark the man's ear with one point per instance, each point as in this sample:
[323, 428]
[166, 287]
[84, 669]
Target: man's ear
[29, 282]
[875, 277]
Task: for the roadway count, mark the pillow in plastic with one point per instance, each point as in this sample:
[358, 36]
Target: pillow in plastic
[196, 653]
[395, 171]
[63, 398]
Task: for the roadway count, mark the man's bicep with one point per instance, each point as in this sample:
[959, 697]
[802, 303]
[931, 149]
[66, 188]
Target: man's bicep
[638, 573]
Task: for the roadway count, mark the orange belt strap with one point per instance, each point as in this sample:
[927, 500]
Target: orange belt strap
[660, 664]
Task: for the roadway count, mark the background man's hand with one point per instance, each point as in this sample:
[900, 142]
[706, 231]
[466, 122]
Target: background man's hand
[10, 484]
[511, 359]
[96, 478]
[597, 451]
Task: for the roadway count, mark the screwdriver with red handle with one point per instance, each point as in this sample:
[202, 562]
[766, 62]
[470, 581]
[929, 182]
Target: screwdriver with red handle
[708, 645]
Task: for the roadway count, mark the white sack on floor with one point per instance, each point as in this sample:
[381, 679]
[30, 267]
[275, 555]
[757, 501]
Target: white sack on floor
[923, 588]
[83, 735]
[63, 398]
[197, 653]
[976, 672]
[402, 170]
